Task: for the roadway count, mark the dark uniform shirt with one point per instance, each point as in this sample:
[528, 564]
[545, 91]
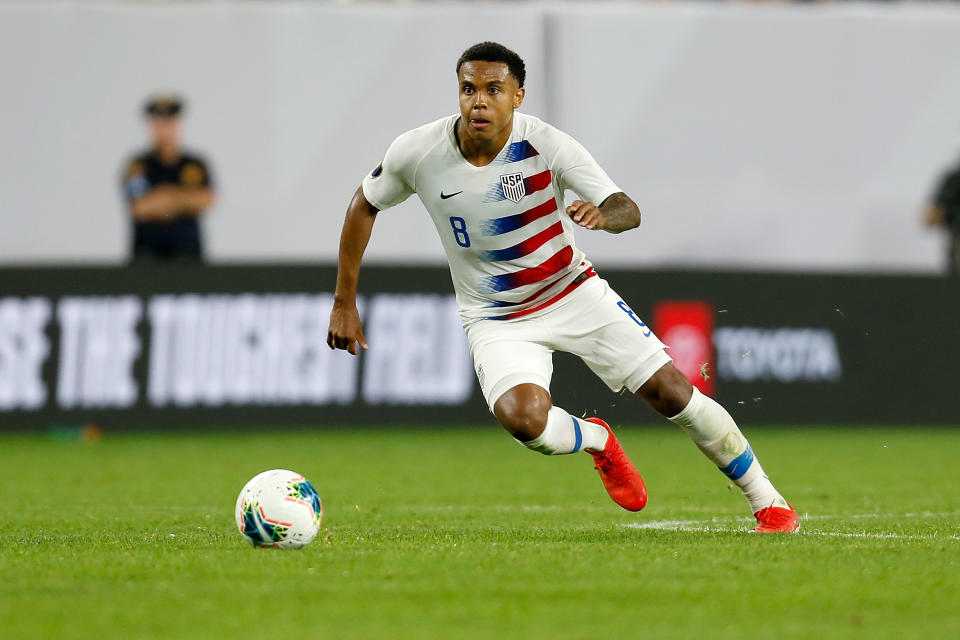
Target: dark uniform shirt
[948, 198]
[176, 238]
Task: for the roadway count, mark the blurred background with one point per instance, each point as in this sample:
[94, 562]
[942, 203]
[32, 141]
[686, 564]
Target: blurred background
[794, 163]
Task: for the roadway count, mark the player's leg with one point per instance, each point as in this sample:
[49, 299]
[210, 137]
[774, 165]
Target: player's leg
[625, 353]
[514, 373]
[527, 412]
[716, 434]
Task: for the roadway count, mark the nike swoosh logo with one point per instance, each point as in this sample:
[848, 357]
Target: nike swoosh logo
[444, 196]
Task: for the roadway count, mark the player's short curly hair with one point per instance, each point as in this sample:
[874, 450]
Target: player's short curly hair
[495, 52]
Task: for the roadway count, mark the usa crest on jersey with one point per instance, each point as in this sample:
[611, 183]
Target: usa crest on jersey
[513, 187]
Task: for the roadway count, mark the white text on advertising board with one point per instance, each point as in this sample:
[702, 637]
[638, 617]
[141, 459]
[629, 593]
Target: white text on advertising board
[23, 350]
[229, 349]
[747, 354]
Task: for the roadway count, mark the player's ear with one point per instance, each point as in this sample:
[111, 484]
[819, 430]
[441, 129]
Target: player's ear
[518, 97]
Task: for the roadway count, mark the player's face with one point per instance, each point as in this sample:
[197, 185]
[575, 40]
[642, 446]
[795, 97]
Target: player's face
[165, 131]
[488, 95]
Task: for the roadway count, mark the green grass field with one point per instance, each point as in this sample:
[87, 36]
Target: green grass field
[464, 534]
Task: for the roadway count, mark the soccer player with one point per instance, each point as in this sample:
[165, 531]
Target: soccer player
[493, 180]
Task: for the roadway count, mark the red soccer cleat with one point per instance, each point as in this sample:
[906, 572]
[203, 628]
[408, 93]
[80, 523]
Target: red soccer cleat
[620, 478]
[777, 520]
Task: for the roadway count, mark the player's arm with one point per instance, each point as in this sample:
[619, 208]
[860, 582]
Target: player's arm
[577, 170]
[346, 330]
[387, 185]
[192, 200]
[615, 214]
[167, 200]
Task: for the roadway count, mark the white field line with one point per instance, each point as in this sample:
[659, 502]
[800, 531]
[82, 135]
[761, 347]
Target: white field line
[915, 514]
[606, 507]
[717, 525]
[879, 536]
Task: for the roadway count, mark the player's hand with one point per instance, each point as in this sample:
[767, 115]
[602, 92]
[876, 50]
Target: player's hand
[586, 214]
[346, 330]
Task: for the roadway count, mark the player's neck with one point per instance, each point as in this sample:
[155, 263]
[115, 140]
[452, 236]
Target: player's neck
[168, 154]
[480, 152]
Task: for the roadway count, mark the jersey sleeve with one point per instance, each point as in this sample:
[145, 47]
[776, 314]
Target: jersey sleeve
[576, 170]
[393, 181]
[207, 174]
[196, 173]
[135, 183]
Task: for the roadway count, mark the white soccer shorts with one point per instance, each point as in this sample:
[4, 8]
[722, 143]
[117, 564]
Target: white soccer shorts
[592, 322]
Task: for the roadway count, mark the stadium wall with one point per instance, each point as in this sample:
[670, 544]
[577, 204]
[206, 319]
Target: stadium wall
[764, 137]
[187, 347]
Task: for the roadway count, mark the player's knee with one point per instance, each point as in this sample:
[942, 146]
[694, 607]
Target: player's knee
[525, 423]
[523, 411]
[667, 392]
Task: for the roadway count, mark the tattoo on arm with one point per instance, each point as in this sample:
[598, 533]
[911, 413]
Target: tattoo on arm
[620, 213]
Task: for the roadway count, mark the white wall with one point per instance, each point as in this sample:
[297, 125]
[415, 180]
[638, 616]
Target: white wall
[781, 137]
[797, 136]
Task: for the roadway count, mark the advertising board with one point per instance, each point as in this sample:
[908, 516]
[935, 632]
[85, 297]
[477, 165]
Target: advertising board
[184, 346]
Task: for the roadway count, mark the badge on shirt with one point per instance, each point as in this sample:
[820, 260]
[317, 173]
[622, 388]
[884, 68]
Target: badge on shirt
[513, 186]
[191, 175]
[136, 186]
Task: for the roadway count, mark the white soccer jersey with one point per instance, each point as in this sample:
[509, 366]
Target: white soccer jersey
[508, 240]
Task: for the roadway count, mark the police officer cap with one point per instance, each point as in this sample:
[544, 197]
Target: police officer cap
[163, 105]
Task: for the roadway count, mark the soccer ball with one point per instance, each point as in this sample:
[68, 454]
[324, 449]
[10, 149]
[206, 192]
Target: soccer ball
[279, 508]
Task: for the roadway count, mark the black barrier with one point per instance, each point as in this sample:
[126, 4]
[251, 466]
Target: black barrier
[185, 346]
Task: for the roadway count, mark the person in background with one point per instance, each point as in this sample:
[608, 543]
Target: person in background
[166, 189]
[944, 210]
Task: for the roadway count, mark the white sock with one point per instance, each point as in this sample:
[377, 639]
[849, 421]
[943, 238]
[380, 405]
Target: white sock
[716, 434]
[566, 434]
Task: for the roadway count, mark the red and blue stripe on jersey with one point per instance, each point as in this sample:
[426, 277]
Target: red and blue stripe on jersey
[555, 264]
[528, 246]
[520, 151]
[511, 223]
[589, 273]
[507, 281]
